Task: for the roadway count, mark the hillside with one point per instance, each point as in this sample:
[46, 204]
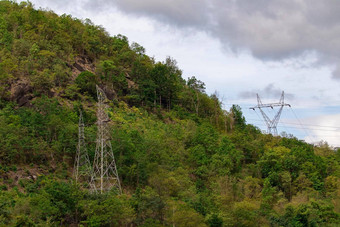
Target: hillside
[181, 158]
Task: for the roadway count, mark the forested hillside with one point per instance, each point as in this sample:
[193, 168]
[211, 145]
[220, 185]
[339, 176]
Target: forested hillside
[181, 158]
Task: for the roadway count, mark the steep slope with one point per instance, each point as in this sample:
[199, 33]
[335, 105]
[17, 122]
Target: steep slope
[182, 160]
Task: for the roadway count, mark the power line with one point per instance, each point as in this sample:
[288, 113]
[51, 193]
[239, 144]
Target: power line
[301, 123]
[323, 135]
[322, 126]
[302, 127]
[314, 125]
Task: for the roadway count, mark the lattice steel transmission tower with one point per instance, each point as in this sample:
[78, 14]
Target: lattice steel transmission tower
[82, 166]
[104, 176]
[271, 124]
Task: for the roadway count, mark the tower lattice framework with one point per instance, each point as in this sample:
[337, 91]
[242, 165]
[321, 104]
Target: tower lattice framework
[82, 167]
[271, 123]
[105, 175]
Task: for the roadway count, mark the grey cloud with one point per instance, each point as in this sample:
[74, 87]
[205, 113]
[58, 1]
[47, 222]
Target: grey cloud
[60, 5]
[336, 72]
[247, 94]
[270, 91]
[270, 29]
[180, 13]
[315, 97]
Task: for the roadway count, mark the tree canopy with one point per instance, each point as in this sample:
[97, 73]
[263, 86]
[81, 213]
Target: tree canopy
[181, 158]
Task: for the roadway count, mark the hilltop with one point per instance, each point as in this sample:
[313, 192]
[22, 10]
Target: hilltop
[181, 158]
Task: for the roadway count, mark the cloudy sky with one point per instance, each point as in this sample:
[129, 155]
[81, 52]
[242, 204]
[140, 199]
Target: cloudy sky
[240, 48]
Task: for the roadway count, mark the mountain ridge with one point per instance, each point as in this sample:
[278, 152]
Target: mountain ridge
[181, 158]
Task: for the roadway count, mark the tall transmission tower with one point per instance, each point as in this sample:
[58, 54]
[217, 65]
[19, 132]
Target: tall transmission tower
[82, 166]
[271, 123]
[104, 176]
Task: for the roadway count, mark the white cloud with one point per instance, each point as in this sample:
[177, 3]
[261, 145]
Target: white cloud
[270, 30]
[326, 128]
[293, 49]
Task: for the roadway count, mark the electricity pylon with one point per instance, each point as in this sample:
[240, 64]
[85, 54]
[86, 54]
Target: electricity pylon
[271, 124]
[82, 166]
[104, 176]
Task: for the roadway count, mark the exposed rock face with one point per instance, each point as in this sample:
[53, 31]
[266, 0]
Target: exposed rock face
[131, 84]
[82, 63]
[21, 92]
[110, 92]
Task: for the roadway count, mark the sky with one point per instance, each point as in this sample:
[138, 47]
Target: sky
[240, 48]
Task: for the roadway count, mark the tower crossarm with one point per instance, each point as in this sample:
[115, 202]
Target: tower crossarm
[271, 124]
[270, 105]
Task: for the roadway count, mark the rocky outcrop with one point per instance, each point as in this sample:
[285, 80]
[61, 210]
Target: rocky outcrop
[110, 92]
[131, 84]
[82, 63]
[21, 92]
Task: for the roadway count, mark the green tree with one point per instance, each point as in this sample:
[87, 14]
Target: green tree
[239, 120]
[87, 81]
[110, 210]
[196, 87]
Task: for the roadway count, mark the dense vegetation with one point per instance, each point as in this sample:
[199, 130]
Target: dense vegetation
[182, 159]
